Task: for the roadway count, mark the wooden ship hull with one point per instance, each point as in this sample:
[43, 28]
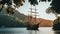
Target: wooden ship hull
[33, 27]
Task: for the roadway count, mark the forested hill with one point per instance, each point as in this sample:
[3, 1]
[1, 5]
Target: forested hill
[9, 21]
[13, 20]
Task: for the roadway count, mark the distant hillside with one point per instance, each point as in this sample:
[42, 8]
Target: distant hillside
[15, 20]
[9, 21]
[46, 23]
[43, 22]
[16, 14]
[21, 17]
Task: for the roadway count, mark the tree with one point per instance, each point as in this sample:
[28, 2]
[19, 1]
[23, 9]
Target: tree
[44, 0]
[49, 10]
[33, 2]
[55, 6]
[17, 3]
[56, 20]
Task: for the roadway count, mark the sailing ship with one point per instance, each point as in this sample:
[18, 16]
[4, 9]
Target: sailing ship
[34, 26]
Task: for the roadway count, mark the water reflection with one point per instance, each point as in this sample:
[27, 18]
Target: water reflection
[33, 31]
[57, 32]
[24, 31]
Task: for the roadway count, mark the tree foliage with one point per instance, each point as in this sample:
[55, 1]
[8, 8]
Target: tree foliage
[9, 2]
[49, 10]
[10, 10]
[17, 3]
[44, 0]
[56, 6]
[56, 24]
[33, 2]
[56, 20]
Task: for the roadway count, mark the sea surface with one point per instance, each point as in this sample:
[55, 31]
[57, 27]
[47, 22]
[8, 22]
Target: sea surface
[42, 30]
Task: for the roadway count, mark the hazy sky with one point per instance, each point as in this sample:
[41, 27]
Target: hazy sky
[41, 9]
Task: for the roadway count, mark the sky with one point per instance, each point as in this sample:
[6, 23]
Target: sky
[42, 6]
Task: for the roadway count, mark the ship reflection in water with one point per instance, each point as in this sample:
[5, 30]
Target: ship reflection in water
[42, 30]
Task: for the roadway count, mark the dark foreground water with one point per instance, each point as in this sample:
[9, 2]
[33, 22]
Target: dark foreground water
[42, 30]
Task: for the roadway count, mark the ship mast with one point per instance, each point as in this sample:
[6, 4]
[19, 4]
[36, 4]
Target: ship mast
[33, 14]
[30, 15]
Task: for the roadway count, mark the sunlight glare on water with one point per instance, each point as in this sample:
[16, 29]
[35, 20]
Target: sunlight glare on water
[45, 28]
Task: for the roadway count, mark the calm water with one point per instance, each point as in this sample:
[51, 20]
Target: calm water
[42, 30]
